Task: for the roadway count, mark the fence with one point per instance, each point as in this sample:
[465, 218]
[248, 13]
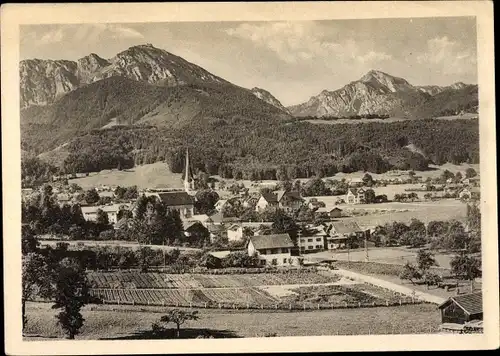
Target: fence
[148, 297]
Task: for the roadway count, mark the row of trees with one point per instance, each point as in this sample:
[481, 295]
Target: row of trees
[464, 266]
[450, 235]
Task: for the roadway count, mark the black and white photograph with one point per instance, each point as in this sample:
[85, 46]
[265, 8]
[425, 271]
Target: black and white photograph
[239, 179]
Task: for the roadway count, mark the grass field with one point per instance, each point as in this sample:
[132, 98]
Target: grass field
[155, 175]
[406, 319]
[371, 215]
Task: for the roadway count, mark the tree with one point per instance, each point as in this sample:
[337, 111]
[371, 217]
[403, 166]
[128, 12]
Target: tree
[131, 193]
[413, 196]
[178, 317]
[437, 228]
[425, 260]
[120, 192]
[71, 294]
[102, 218]
[458, 177]
[368, 180]
[369, 196]
[447, 175]
[36, 280]
[411, 174]
[29, 243]
[91, 196]
[427, 196]
[205, 201]
[410, 273]
[431, 279]
[144, 257]
[466, 267]
[470, 173]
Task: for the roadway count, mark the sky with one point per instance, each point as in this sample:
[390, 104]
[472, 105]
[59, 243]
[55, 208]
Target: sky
[292, 60]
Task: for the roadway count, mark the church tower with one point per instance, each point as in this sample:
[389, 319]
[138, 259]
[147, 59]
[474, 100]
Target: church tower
[188, 178]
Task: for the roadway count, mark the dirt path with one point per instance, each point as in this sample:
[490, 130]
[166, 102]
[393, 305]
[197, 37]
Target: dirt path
[392, 286]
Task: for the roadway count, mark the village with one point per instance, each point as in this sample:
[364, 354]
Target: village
[275, 228]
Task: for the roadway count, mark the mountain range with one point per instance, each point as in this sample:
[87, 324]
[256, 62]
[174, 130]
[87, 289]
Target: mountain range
[382, 94]
[148, 86]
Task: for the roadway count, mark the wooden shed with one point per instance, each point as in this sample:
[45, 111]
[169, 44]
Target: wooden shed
[461, 309]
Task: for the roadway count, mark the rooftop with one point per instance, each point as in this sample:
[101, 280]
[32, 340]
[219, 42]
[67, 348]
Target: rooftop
[470, 303]
[271, 241]
[175, 198]
[346, 227]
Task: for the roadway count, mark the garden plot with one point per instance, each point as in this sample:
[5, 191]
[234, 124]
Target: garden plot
[155, 280]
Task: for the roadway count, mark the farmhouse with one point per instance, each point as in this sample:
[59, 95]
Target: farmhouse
[181, 201]
[460, 310]
[216, 231]
[90, 212]
[340, 233]
[355, 196]
[356, 182]
[235, 233]
[271, 249]
[287, 201]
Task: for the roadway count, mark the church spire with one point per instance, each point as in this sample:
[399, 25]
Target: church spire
[188, 181]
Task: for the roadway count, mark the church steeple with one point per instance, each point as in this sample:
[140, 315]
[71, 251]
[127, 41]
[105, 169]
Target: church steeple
[188, 178]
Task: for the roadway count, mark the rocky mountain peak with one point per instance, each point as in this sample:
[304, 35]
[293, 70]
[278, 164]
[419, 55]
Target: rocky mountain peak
[43, 81]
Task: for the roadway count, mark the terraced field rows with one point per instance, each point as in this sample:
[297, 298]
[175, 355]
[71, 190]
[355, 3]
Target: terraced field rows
[155, 280]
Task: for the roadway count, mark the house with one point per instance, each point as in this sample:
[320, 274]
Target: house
[356, 182]
[461, 310]
[266, 200]
[288, 201]
[272, 249]
[313, 239]
[106, 194]
[314, 204]
[340, 233]
[90, 212]
[331, 213]
[469, 193]
[235, 233]
[204, 219]
[355, 196]
[216, 231]
[64, 198]
[181, 201]
[221, 204]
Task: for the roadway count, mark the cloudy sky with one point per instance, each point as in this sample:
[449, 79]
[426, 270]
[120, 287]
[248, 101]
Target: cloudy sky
[293, 60]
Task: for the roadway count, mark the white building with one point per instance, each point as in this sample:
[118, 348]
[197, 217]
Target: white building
[90, 212]
[272, 249]
[235, 233]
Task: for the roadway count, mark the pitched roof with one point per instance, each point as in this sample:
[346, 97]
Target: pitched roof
[106, 208]
[200, 217]
[175, 198]
[470, 303]
[270, 197]
[217, 217]
[216, 228]
[346, 227]
[271, 241]
[280, 194]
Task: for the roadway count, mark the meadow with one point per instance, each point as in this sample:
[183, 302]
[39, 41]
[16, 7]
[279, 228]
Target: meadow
[127, 322]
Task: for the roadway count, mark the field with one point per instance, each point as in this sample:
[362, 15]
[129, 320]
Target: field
[124, 323]
[352, 121]
[379, 214]
[324, 290]
[144, 176]
[381, 255]
[152, 280]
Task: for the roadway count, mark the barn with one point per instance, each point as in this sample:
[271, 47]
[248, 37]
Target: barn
[462, 309]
